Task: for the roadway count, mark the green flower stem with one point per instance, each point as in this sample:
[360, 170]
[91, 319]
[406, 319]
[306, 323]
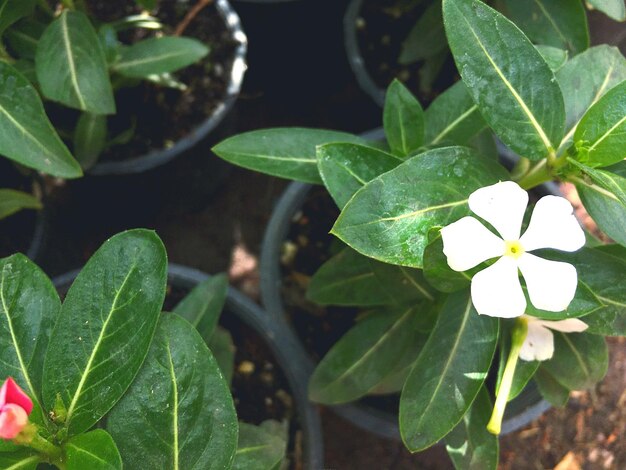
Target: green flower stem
[45, 447]
[518, 335]
[540, 173]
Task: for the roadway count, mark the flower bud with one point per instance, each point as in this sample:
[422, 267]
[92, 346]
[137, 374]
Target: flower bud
[15, 406]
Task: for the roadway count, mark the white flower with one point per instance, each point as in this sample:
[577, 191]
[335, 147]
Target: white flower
[496, 290]
[539, 342]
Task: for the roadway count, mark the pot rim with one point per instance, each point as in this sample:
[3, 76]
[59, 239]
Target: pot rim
[159, 157]
[281, 342]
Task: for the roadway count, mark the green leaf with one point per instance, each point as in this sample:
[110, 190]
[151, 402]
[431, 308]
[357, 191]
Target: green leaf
[554, 57]
[363, 357]
[147, 4]
[26, 68]
[612, 8]
[13, 10]
[260, 447]
[505, 75]
[470, 445]
[346, 167]
[23, 459]
[90, 138]
[29, 308]
[448, 374]
[12, 201]
[609, 184]
[602, 130]
[452, 118]
[71, 66]
[287, 152]
[605, 276]
[557, 23]
[580, 360]
[485, 144]
[105, 327]
[26, 135]
[585, 78]
[159, 55]
[223, 349]
[389, 218]
[426, 38]
[349, 278]
[23, 37]
[203, 306]
[94, 450]
[178, 412]
[555, 393]
[403, 120]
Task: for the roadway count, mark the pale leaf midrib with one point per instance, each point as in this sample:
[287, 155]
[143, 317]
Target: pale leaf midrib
[553, 23]
[579, 359]
[133, 63]
[246, 450]
[94, 351]
[24, 463]
[607, 133]
[175, 405]
[310, 161]
[531, 117]
[454, 124]
[70, 60]
[415, 284]
[85, 451]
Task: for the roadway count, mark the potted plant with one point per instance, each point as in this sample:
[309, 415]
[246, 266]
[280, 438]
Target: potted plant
[406, 39]
[115, 359]
[119, 83]
[405, 216]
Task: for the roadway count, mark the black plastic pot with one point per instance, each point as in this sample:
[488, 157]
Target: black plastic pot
[159, 157]
[521, 411]
[280, 340]
[355, 58]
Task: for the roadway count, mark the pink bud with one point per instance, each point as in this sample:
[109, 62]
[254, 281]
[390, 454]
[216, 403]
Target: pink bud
[15, 406]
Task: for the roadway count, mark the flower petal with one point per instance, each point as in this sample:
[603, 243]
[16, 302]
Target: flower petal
[539, 343]
[497, 292]
[551, 284]
[467, 243]
[13, 418]
[502, 205]
[571, 325]
[553, 225]
[12, 393]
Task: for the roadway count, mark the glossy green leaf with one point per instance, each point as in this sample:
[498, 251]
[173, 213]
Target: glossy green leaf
[89, 138]
[403, 120]
[28, 309]
[524, 370]
[613, 8]
[26, 135]
[426, 38]
[552, 391]
[513, 86]
[580, 360]
[223, 349]
[453, 117]
[13, 10]
[557, 23]
[94, 450]
[285, 152]
[346, 167]
[585, 78]
[389, 218]
[19, 460]
[605, 276]
[363, 357]
[260, 447]
[26, 68]
[605, 182]
[554, 57]
[203, 306]
[178, 412]
[159, 55]
[470, 445]
[349, 278]
[105, 327]
[602, 131]
[448, 374]
[484, 143]
[71, 66]
[23, 37]
[12, 201]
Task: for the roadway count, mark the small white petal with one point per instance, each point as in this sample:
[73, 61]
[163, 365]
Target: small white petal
[539, 343]
[497, 292]
[502, 205]
[553, 225]
[551, 284]
[571, 325]
[467, 243]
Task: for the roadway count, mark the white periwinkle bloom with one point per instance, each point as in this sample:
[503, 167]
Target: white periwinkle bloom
[496, 290]
[539, 342]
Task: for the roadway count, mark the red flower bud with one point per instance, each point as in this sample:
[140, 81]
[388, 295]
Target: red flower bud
[15, 406]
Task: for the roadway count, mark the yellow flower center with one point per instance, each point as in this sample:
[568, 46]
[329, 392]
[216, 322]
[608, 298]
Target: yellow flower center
[513, 249]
